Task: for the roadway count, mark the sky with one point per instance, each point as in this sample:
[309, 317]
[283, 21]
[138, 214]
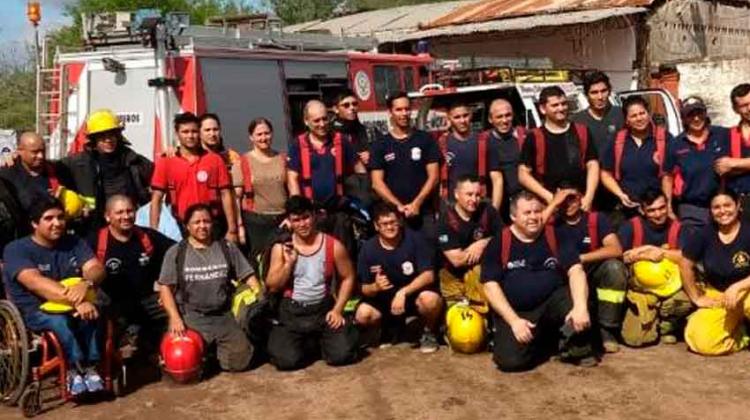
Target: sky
[15, 29]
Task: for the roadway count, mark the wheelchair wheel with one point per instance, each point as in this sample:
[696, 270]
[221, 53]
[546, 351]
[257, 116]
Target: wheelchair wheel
[31, 400]
[14, 353]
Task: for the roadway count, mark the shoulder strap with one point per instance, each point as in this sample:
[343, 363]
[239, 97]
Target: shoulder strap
[540, 147]
[637, 232]
[247, 183]
[102, 240]
[482, 160]
[622, 135]
[330, 261]
[451, 218]
[443, 146]
[549, 235]
[735, 137]
[146, 244]
[339, 163]
[660, 137]
[593, 227]
[54, 182]
[305, 165]
[180, 262]
[673, 235]
[505, 241]
[231, 271]
[484, 221]
[520, 134]
[583, 141]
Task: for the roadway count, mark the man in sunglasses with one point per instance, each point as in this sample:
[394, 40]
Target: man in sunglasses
[346, 121]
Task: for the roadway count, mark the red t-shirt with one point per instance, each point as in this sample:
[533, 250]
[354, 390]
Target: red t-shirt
[193, 182]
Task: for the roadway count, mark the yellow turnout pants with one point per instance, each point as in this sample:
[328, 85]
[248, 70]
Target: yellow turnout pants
[468, 288]
[718, 331]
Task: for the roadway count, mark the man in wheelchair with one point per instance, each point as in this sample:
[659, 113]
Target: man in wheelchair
[34, 270]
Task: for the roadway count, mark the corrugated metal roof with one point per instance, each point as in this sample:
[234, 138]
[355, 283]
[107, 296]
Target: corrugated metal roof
[486, 10]
[524, 23]
[382, 24]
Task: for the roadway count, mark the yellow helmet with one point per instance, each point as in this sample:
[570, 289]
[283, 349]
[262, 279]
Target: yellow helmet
[55, 307]
[102, 120]
[465, 328]
[72, 202]
[660, 278]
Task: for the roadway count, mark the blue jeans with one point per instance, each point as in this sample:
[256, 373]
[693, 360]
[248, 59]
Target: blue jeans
[79, 339]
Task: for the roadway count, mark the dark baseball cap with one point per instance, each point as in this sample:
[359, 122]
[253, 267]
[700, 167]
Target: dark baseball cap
[692, 105]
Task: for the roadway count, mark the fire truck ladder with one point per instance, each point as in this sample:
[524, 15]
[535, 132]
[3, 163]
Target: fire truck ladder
[52, 113]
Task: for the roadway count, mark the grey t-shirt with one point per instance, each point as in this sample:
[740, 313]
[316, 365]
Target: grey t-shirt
[207, 285]
[603, 131]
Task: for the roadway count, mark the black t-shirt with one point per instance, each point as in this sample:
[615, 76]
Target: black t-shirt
[356, 132]
[26, 188]
[412, 257]
[532, 274]
[462, 158]
[509, 155]
[602, 131]
[404, 163]
[652, 235]
[563, 158]
[457, 233]
[725, 264]
[130, 272]
[578, 234]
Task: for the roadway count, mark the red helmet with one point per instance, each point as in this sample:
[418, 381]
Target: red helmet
[182, 357]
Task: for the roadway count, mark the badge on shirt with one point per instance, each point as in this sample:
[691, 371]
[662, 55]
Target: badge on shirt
[611, 128]
[389, 156]
[202, 176]
[144, 259]
[416, 153]
[113, 266]
[741, 260]
[448, 158]
[407, 268]
[443, 239]
[551, 263]
[44, 268]
[478, 234]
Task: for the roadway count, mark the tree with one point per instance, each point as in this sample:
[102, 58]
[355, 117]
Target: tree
[17, 83]
[296, 11]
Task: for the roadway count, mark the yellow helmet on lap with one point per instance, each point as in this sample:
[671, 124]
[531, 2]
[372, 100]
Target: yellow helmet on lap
[54, 307]
[660, 278]
[72, 202]
[465, 328]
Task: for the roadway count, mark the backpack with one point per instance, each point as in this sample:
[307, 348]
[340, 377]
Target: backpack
[305, 153]
[102, 241]
[540, 146]
[673, 233]
[506, 237]
[660, 136]
[180, 261]
[482, 141]
[248, 191]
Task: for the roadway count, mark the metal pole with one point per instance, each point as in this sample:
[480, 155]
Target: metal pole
[38, 66]
[162, 91]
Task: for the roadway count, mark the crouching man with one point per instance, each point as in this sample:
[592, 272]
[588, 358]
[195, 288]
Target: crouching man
[525, 272]
[33, 271]
[311, 318]
[396, 270]
[196, 289]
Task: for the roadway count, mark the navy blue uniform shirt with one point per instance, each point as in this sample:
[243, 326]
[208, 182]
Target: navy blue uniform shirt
[639, 166]
[725, 264]
[652, 235]
[578, 234]
[509, 154]
[457, 233]
[533, 273]
[404, 163]
[65, 260]
[462, 158]
[741, 183]
[322, 166]
[694, 165]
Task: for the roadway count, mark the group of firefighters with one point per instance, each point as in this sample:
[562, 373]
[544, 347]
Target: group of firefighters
[568, 239]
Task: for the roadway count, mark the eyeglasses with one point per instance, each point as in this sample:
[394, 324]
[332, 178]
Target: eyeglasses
[349, 104]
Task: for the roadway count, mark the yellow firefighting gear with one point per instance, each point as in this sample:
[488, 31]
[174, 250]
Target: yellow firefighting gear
[718, 331]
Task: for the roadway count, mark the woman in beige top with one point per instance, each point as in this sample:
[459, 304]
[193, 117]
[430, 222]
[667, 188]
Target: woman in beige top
[260, 183]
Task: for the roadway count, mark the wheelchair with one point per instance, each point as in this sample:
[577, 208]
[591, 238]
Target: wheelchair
[27, 359]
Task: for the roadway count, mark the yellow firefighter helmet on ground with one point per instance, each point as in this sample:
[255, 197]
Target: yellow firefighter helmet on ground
[55, 307]
[102, 120]
[660, 278]
[465, 328]
[72, 202]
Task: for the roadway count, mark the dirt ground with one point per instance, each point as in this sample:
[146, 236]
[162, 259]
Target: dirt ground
[400, 383]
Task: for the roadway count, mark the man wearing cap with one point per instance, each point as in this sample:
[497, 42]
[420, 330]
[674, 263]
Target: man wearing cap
[107, 166]
[690, 179]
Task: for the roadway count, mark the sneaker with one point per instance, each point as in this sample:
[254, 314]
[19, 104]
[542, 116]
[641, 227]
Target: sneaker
[93, 381]
[76, 386]
[609, 342]
[668, 339]
[587, 362]
[428, 343]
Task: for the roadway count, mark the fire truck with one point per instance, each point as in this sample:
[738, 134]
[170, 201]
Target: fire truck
[147, 68]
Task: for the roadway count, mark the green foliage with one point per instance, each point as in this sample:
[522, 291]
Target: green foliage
[296, 11]
[17, 83]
